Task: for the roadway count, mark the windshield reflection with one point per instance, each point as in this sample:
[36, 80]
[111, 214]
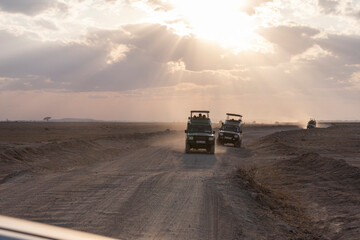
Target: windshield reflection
[200, 129]
[230, 128]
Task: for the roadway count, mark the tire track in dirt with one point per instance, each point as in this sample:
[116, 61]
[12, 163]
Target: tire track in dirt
[154, 192]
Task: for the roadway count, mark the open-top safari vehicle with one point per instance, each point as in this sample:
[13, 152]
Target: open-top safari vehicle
[231, 130]
[199, 133]
[311, 123]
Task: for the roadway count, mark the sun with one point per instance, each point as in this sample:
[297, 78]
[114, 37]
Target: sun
[220, 21]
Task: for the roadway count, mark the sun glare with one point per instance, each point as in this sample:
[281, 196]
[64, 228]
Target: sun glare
[221, 21]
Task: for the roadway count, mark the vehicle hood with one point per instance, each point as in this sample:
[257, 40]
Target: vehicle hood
[201, 134]
[223, 131]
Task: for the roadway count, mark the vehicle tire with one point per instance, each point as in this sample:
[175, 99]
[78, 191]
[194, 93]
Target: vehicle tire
[212, 149]
[187, 148]
[237, 144]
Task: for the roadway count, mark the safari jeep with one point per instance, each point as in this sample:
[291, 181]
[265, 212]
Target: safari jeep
[199, 133]
[311, 123]
[231, 130]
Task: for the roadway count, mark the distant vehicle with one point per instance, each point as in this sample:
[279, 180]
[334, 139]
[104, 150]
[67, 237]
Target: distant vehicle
[199, 133]
[311, 123]
[18, 229]
[231, 130]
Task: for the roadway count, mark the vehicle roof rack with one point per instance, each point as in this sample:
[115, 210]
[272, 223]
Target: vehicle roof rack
[233, 114]
[199, 111]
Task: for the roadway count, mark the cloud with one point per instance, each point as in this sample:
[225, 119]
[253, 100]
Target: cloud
[141, 57]
[30, 7]
[47, 24]
[329, 6]
[112, 60]
[117, 53]
[292, 40]
[342, 46]
[357, 14]
[155, 5]
[251, 5]
[342, 8]
[132, 57]
[34, 62]
[160, 5]
[146, 66]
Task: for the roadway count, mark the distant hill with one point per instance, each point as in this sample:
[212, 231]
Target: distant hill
[74, 120]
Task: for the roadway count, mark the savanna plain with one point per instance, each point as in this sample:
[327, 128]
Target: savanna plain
[134, 181]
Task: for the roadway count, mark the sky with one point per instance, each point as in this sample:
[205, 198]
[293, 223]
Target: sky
[155, 60]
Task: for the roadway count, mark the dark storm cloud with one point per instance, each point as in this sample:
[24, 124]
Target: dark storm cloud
[30, 7]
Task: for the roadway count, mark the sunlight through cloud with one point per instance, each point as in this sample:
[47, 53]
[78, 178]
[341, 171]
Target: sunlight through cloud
[220, 21]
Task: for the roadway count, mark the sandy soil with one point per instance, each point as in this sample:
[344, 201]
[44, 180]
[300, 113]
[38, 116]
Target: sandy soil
[133, 181]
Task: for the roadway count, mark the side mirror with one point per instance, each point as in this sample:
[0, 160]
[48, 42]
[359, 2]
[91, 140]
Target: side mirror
[185, 131]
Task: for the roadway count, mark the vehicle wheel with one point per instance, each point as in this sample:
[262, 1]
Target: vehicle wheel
[237, 144]
[212, 149]
[187, 148]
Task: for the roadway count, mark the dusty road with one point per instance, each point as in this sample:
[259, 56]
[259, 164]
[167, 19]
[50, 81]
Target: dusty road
[143, 186]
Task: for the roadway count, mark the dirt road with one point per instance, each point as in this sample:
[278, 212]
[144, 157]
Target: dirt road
[143, 186]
